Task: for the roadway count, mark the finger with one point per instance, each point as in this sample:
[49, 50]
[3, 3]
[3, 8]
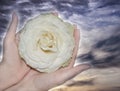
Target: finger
[77, 38]
[13, 27]
[70, 73]
[10, 40]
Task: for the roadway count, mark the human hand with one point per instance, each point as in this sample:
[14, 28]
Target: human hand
[12, 68]
[16, 75]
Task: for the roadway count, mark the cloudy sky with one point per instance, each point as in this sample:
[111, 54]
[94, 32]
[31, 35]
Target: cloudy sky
[99, 25]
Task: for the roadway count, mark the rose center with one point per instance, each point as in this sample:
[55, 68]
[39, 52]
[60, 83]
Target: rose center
[47, 42]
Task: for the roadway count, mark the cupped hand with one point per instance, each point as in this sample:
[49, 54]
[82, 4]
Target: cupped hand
[16, 75]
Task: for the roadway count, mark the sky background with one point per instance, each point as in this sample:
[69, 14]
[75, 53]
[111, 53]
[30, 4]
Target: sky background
[99, 25]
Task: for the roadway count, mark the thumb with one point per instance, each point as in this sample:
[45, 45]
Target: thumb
[10, 35]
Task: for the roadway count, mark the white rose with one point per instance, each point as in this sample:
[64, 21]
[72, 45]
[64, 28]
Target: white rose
[46, 43]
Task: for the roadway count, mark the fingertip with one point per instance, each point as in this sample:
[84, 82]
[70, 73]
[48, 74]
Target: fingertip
[72, 72]
[55, 13]
[83, 67]
[14, 16]
[13, 13]
[13, 26]
[75, 26]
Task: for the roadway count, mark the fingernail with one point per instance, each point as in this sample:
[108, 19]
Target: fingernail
[14, 13]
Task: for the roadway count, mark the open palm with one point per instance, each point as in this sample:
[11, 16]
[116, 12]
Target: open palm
[16, 74]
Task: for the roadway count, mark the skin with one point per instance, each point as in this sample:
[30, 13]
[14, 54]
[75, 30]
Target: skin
[15, 75]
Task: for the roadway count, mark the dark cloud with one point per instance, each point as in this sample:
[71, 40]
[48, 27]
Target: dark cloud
[3, 24]
[37, 1]
[82, 8]
[110, 45]
[109, 3]
[7, 3]
[71, 6]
